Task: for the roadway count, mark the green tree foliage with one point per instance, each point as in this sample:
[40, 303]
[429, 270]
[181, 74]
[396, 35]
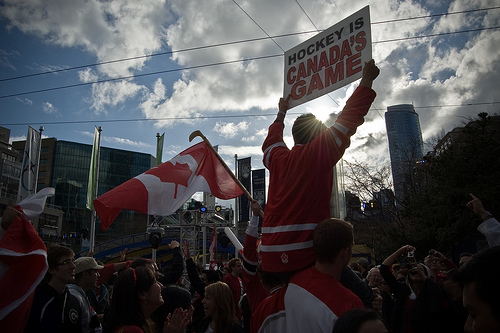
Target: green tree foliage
[471, 164]
[434, 213]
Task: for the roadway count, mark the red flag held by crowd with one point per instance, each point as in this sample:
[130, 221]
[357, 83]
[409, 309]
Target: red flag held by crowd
[23, 263]
[165, 188]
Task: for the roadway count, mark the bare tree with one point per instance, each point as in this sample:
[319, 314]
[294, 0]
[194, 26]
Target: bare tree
[381, 222]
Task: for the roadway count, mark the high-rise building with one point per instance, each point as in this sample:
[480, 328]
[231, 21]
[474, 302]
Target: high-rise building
[10, 169]
[405, 145]
[65, 166]
[48, 222]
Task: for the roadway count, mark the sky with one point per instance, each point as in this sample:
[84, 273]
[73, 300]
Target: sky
[137, 68]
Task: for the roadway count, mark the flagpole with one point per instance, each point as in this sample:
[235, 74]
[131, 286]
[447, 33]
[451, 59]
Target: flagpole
[38, 160]
[96, 183]
[159, 151]
[236, 180]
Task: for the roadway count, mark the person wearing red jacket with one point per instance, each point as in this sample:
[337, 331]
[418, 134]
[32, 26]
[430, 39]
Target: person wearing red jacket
[301, 178]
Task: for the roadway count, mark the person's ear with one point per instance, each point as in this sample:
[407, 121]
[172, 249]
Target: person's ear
[143, 296]
[346, 252]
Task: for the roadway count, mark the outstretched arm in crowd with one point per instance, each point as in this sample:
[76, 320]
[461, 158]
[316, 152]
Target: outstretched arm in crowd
[176, 267]
[192, 271]
[251, 281]
[395, 256]
[385, 269]
[109, 269]
[490, 227]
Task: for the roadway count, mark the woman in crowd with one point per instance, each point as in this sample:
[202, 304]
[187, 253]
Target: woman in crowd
[220, 314]
[136, 294]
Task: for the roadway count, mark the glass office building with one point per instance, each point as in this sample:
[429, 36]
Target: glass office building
[405, 145]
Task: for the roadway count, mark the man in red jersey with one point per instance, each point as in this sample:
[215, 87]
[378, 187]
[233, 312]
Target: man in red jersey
[234, 282]
[319, 286]
[301, 178]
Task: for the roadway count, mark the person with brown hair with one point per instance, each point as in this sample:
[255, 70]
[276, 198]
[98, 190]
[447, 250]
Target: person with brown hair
[360, 321]
[319, 286]
[220, 313]
[54, 308]
[235, 283]
[136, 294]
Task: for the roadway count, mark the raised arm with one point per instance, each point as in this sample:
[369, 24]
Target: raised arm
[394, 257]
[490, 227]
[370, 73]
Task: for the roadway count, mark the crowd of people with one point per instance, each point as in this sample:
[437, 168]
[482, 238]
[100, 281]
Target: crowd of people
[294, 276]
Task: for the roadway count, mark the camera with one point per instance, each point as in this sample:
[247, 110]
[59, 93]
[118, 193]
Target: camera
[411, 254]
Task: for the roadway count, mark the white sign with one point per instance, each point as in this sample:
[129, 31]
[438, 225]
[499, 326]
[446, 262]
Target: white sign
[329, 60]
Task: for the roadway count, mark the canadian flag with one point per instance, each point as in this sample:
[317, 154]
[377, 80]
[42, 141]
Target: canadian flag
[23, 263]
[165, 188]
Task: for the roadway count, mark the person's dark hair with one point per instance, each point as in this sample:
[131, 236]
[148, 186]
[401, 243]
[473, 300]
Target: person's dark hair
[212, 275]
[483, 268]
[330, 236]
[174, 297]
[232, 263]
[352, 320]
[225, 314]
[79, 276]
[54, 254]
[125, 303]
[140, 262]
[269, 279]
[306, 127]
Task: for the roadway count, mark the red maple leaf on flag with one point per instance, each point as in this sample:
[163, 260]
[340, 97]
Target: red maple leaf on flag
[169, 173]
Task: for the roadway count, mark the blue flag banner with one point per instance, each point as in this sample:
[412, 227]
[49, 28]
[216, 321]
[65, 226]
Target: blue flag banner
[244, 172]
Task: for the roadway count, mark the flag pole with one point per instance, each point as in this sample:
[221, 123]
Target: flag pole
[96, 183]
[38, 161]
[237, 181]
[159, 151]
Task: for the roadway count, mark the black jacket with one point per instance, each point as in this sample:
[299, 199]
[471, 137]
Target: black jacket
[52, 312]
